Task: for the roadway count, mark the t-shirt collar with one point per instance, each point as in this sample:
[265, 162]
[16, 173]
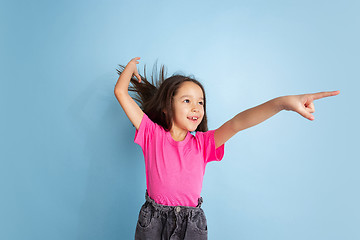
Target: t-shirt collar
[178, 143]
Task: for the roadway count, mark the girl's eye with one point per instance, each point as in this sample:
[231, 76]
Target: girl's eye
[186, 100]
[201, 103]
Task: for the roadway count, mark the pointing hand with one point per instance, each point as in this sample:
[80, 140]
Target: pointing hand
[303, 104]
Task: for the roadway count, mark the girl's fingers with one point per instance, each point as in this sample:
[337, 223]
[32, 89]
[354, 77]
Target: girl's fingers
[308, 104]
[311, 107]
[135, 60]
[136, 72]
[303, 112]
[138, 77]
[324, 94]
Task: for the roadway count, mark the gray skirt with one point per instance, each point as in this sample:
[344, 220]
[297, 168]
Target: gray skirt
[162, 222]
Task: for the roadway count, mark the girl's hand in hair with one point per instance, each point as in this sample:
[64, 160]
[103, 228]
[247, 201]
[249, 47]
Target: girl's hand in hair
[303, 104]
[132, 64]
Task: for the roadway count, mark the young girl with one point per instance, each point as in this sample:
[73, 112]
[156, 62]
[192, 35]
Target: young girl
[175, 160]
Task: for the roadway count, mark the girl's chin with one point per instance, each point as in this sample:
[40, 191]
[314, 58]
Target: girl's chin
[192, 129]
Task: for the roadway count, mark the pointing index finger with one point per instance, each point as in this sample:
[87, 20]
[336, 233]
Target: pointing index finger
[324, 94]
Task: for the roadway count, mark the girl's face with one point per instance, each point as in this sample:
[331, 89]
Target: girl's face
[188, 106]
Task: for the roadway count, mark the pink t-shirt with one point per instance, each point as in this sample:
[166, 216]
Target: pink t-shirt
[175, 170]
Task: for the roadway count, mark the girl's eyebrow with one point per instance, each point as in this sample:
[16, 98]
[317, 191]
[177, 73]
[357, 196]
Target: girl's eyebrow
[190, 97]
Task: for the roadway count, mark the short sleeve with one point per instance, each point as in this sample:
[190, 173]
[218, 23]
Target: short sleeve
[145, 131]
[208, 144]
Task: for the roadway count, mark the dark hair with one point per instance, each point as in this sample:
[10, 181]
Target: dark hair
[156, 97]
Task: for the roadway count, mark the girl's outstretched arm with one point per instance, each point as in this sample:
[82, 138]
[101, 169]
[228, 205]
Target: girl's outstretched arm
[302, 104]
[132, 110]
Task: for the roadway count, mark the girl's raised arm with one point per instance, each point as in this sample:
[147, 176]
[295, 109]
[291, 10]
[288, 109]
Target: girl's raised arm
[131, 109]
[302, 104]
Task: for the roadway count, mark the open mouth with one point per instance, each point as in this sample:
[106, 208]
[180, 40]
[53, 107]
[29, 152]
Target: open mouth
[193, 119]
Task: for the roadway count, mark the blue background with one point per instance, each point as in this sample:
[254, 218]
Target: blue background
[69, 166]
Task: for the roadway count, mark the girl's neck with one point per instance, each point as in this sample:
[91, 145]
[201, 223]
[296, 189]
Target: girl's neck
[178, 134]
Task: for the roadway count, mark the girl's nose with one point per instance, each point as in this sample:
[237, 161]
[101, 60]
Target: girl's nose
[195, 109]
